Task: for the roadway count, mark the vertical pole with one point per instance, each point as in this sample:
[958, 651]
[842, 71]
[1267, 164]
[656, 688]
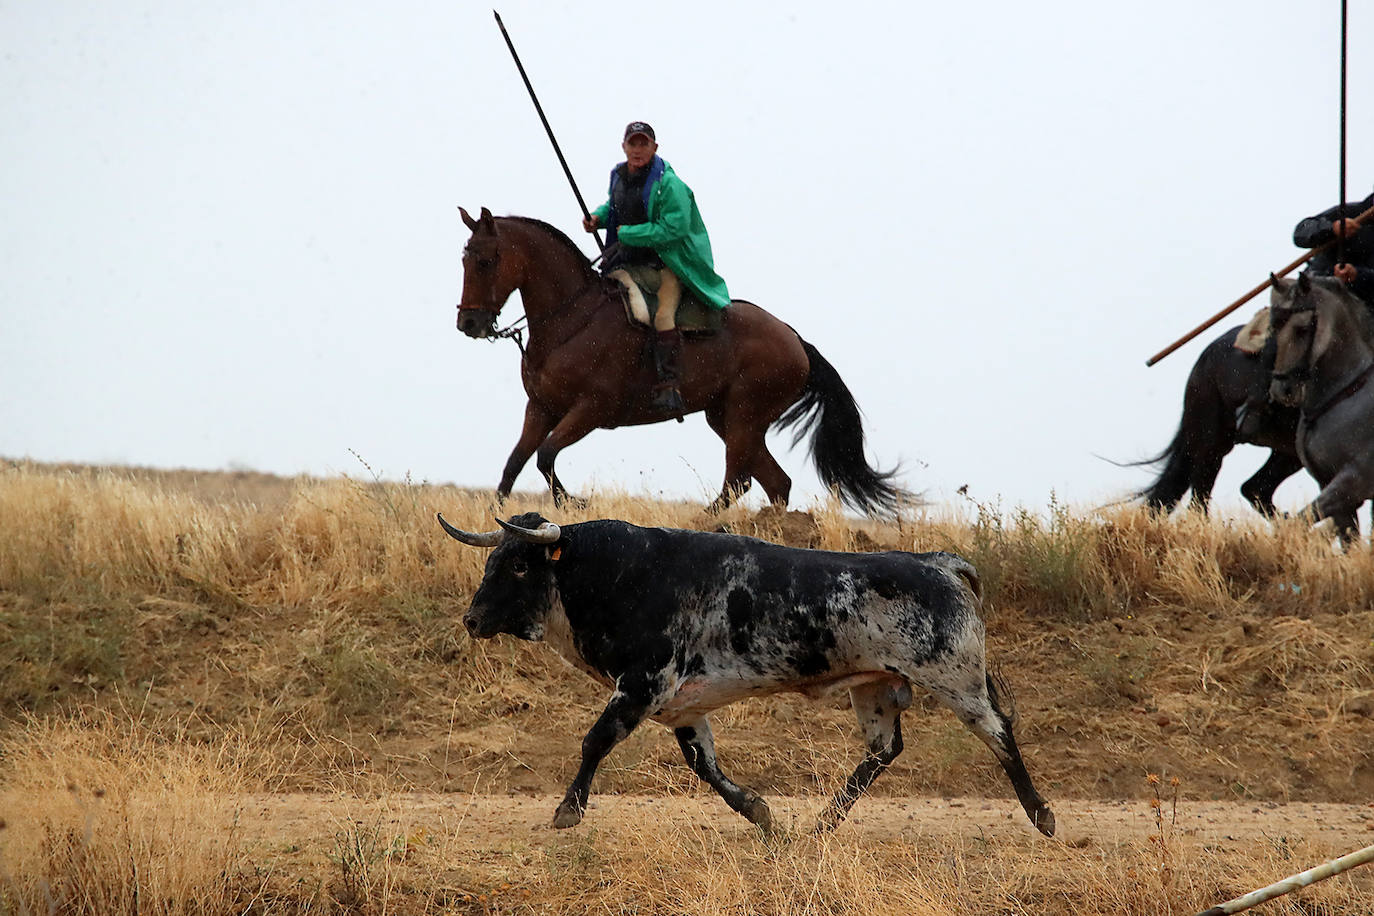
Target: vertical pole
[547, 129]
[1340, 213]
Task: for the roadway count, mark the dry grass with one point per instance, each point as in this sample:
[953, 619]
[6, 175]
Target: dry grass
[112, 534]
[102, 815]
[170, 642]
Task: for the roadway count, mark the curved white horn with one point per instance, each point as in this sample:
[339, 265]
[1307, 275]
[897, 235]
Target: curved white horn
[546, 533]
[486, 539]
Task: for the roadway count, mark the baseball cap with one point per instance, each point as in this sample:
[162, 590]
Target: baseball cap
[639, 127]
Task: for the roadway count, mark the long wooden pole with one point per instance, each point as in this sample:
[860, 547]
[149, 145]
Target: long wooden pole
[1292, 883]
[547, 129]
[1232, 307]
[1282, 272]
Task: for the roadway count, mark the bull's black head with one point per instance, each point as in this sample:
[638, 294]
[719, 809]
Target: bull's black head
[518, 590]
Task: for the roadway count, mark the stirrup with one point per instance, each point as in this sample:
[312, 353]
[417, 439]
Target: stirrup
[1250, 419]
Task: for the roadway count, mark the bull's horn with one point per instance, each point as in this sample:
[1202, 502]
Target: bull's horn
[486, 539]
[546, 533]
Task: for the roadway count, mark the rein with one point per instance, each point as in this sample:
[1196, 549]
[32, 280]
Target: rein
[515, 330]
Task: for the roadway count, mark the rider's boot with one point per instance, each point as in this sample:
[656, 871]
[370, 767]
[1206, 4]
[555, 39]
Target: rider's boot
[1252, 416]
[667, 353]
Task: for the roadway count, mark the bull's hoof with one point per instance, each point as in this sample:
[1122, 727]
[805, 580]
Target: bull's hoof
[567, 815]
[759, 815]
[830, 819]
[1043, 819]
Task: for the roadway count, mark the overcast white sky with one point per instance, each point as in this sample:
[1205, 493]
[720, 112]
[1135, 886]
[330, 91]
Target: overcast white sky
[229, 233]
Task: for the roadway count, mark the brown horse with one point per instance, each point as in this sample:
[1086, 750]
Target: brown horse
[586, 367]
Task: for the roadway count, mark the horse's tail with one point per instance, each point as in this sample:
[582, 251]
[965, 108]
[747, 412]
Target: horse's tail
[1206, 430]
[827, 411]
[1175, 474]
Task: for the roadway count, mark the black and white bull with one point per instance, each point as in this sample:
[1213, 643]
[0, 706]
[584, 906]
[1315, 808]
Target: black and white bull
[681, 623]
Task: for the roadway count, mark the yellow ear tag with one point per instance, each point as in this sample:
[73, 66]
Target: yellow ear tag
[557, 552]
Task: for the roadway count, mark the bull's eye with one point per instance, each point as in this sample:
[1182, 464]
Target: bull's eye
[519, 567]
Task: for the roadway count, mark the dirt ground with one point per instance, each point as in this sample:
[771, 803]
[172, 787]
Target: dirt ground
[280, 821]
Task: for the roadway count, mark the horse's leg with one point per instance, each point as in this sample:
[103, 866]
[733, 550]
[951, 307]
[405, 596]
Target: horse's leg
[739, 455]
[538, 423]
[762, 466]
[1339, 500]
[575, 425]
[1216, 438]
[771, 476]
[1347, 529]
[1206, 467]
[1259, 489]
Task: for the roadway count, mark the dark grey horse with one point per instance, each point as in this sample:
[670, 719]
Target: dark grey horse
[1324, 365]
[1220, 381]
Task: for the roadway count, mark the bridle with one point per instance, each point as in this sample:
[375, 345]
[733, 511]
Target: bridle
[515, 330]
[1302, 372]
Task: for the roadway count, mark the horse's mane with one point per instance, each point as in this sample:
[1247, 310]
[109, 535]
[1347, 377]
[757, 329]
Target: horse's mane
[558, 234]
[1354, 306]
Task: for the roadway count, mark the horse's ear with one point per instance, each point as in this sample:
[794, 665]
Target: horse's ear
[468, 220]
[1273, 277]
[486, 216]
[1280, 291]
[1304, 283]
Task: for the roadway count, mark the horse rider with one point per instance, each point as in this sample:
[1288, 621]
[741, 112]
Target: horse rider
[656, 240]
[1355, 268]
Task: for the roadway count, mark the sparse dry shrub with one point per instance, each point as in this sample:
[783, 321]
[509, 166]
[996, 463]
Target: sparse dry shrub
[1048, 565]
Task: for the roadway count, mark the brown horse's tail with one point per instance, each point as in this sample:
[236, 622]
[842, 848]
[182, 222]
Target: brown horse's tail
[828, 412]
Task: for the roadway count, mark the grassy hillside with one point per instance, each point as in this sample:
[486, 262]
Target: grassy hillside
[222, 633]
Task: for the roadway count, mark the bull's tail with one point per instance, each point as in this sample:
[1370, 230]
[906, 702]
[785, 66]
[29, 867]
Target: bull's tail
[827, 411]
[966, 571]
[1000, 696]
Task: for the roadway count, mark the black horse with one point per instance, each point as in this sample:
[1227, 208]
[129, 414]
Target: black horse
[1217, 387]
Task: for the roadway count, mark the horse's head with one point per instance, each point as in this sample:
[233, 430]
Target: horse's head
[487, 282]
[1306, 317]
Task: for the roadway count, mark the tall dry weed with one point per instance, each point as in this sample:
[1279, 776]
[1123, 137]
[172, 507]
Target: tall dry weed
[107, 816]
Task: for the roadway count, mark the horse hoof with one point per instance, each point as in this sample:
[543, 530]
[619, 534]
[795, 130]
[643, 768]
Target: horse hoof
[568, 501]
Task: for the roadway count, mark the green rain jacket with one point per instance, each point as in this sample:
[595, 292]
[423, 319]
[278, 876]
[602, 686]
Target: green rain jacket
[674, 231]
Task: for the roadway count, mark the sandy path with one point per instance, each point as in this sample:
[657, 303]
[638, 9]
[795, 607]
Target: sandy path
[296, 819]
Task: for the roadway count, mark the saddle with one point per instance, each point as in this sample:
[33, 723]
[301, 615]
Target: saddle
[1253, 336]
[693, 318]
